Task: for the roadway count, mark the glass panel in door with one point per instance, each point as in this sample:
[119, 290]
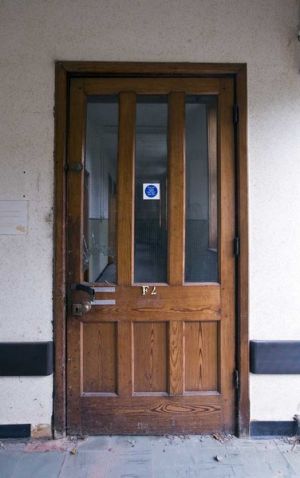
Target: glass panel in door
[150, 244]
[100, 189]
[201, 228]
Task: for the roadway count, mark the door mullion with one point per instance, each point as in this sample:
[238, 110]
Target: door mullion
[125, 204]
[176, 357]
[176, 188]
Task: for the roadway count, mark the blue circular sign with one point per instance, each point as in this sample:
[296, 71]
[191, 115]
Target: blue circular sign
[151, 191]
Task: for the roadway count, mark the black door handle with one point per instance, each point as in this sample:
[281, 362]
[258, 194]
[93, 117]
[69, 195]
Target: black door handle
[85, 288]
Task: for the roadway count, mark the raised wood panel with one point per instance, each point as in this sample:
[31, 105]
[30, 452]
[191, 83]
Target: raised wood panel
[99, 357]
[176, 357]
[150, 415]
[150, 357]
[201, 356]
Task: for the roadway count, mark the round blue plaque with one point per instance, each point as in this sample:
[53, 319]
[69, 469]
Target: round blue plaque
[151, 191]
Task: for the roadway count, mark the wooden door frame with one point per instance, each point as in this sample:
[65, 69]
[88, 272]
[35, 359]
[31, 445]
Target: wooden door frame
[64, 71]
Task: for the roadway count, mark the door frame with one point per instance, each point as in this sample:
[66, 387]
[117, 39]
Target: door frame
[64, 71]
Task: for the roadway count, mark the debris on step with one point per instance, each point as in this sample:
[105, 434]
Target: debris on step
[131, 443]
[222, 437]
[74, 451]
[219, 458]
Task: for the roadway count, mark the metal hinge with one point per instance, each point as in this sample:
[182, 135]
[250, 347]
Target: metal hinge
[236, 379]
[236, 246]
[235, 114]
[76, 167]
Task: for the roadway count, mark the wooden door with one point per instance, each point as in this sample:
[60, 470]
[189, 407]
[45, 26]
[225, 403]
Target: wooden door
[156, 352]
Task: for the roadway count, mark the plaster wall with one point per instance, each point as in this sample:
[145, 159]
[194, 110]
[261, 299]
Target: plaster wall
[261, 33]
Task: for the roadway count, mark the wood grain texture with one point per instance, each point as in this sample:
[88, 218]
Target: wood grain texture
[125, 187]
[74, 376]
[190, 302]
[75, 183]
[75, 221]
[150, 415]
[227, 261]
[125, 358]
[99, 357]
[150, 357]
[176, 370]
[201, 356]
[176, 188]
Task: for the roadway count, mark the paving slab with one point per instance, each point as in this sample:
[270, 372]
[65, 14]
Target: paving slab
[8, 463]
[151, 457]
[38, 465]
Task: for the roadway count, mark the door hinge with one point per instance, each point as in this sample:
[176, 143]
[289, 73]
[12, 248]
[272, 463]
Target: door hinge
[235, 114]
[236, 246]
[236, 379]
[76, 167]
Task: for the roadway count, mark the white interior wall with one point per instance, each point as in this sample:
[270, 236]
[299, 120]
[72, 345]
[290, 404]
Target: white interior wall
[261, 33]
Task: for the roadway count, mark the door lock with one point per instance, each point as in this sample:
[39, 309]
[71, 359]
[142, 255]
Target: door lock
[84, 306]
[80, 309]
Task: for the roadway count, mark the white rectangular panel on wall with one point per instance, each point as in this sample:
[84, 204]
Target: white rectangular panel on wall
[13, 217]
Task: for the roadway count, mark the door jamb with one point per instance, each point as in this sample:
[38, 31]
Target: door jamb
[64, 71]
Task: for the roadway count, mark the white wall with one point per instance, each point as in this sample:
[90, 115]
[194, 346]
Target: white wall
[262, 33]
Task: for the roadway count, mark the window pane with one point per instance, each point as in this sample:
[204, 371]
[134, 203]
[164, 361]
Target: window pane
[100, 189]
[201, 264]
[150, 246]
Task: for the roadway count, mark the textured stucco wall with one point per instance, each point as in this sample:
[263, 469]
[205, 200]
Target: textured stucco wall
[35, 33]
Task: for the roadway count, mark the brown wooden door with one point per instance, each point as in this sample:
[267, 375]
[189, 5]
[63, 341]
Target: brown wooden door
[156, 352]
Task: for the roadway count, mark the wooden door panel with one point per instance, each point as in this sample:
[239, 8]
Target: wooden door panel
[158, 360]
[201, 356]
[150, 358]
[176, 357]
[99, 357]
[152, 415]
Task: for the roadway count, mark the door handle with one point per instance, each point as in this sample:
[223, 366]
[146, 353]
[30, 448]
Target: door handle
[80, 308]
[85, 287]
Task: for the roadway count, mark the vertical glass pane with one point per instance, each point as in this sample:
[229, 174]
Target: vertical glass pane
[201, 254]
[150, 245]
[100, 189]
